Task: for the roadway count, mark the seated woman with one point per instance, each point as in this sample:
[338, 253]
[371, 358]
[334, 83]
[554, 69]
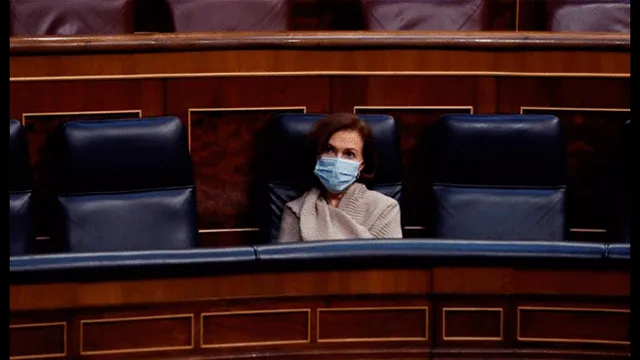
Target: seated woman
[339, 205]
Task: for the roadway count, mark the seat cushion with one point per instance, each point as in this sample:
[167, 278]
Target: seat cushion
[499, 214]
[148, 220]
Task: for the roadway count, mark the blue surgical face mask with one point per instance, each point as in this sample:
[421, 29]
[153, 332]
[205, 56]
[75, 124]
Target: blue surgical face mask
[337, 174]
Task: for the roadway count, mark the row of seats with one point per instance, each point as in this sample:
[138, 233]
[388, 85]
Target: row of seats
[128, 184]
[70, 17]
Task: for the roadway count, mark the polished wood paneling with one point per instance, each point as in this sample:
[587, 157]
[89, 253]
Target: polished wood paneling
[75, 96]
[334, 62]
[37, 340]
[463, 280]
[472, 324]
[574, 325]
[255, 328]
[373, 324]
[225, 144]
[84, 295]
[136, 334]
[600, 283]
[350, 314]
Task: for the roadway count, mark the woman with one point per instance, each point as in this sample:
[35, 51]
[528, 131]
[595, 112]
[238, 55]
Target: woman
[339, 205]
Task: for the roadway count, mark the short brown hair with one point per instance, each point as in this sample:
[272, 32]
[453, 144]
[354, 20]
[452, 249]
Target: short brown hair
[325, 128]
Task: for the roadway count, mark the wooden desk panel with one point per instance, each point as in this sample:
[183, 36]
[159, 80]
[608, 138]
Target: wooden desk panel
[392, 314]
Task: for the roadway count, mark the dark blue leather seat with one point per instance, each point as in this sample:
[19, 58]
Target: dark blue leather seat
[20, 186]
[286, 150]
[499, 177]
[124, 185]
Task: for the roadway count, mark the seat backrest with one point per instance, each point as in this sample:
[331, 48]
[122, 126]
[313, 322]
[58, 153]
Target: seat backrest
[124, 185]
[71, 17]
[499, 177]
[427, 15]
[589, 15]
[20, 186]
[229, 15]
[287, 146]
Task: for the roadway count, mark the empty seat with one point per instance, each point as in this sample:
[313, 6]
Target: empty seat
[499, 177]
[20, 186]
[229, 15]
[70, 17]
[124, 185]
[286, 150]
[589, 15]
[429, 15]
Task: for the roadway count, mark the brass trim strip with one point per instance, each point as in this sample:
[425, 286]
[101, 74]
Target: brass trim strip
[411, 107]
[524, 108]
[104, 112]
[318, 73]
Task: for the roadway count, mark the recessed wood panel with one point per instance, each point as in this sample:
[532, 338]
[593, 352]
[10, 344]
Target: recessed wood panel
[136, 334]
[373, 324]
[472, 324]
[574, 325]
[34, 341]
[414, 124]
[253, 328]
[224, 145]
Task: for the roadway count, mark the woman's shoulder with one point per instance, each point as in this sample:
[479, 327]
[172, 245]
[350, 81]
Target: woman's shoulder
[378, 199]
[296, 205]
[371, 199]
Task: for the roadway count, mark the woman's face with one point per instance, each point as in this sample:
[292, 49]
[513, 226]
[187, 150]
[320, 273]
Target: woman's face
[345, 144]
